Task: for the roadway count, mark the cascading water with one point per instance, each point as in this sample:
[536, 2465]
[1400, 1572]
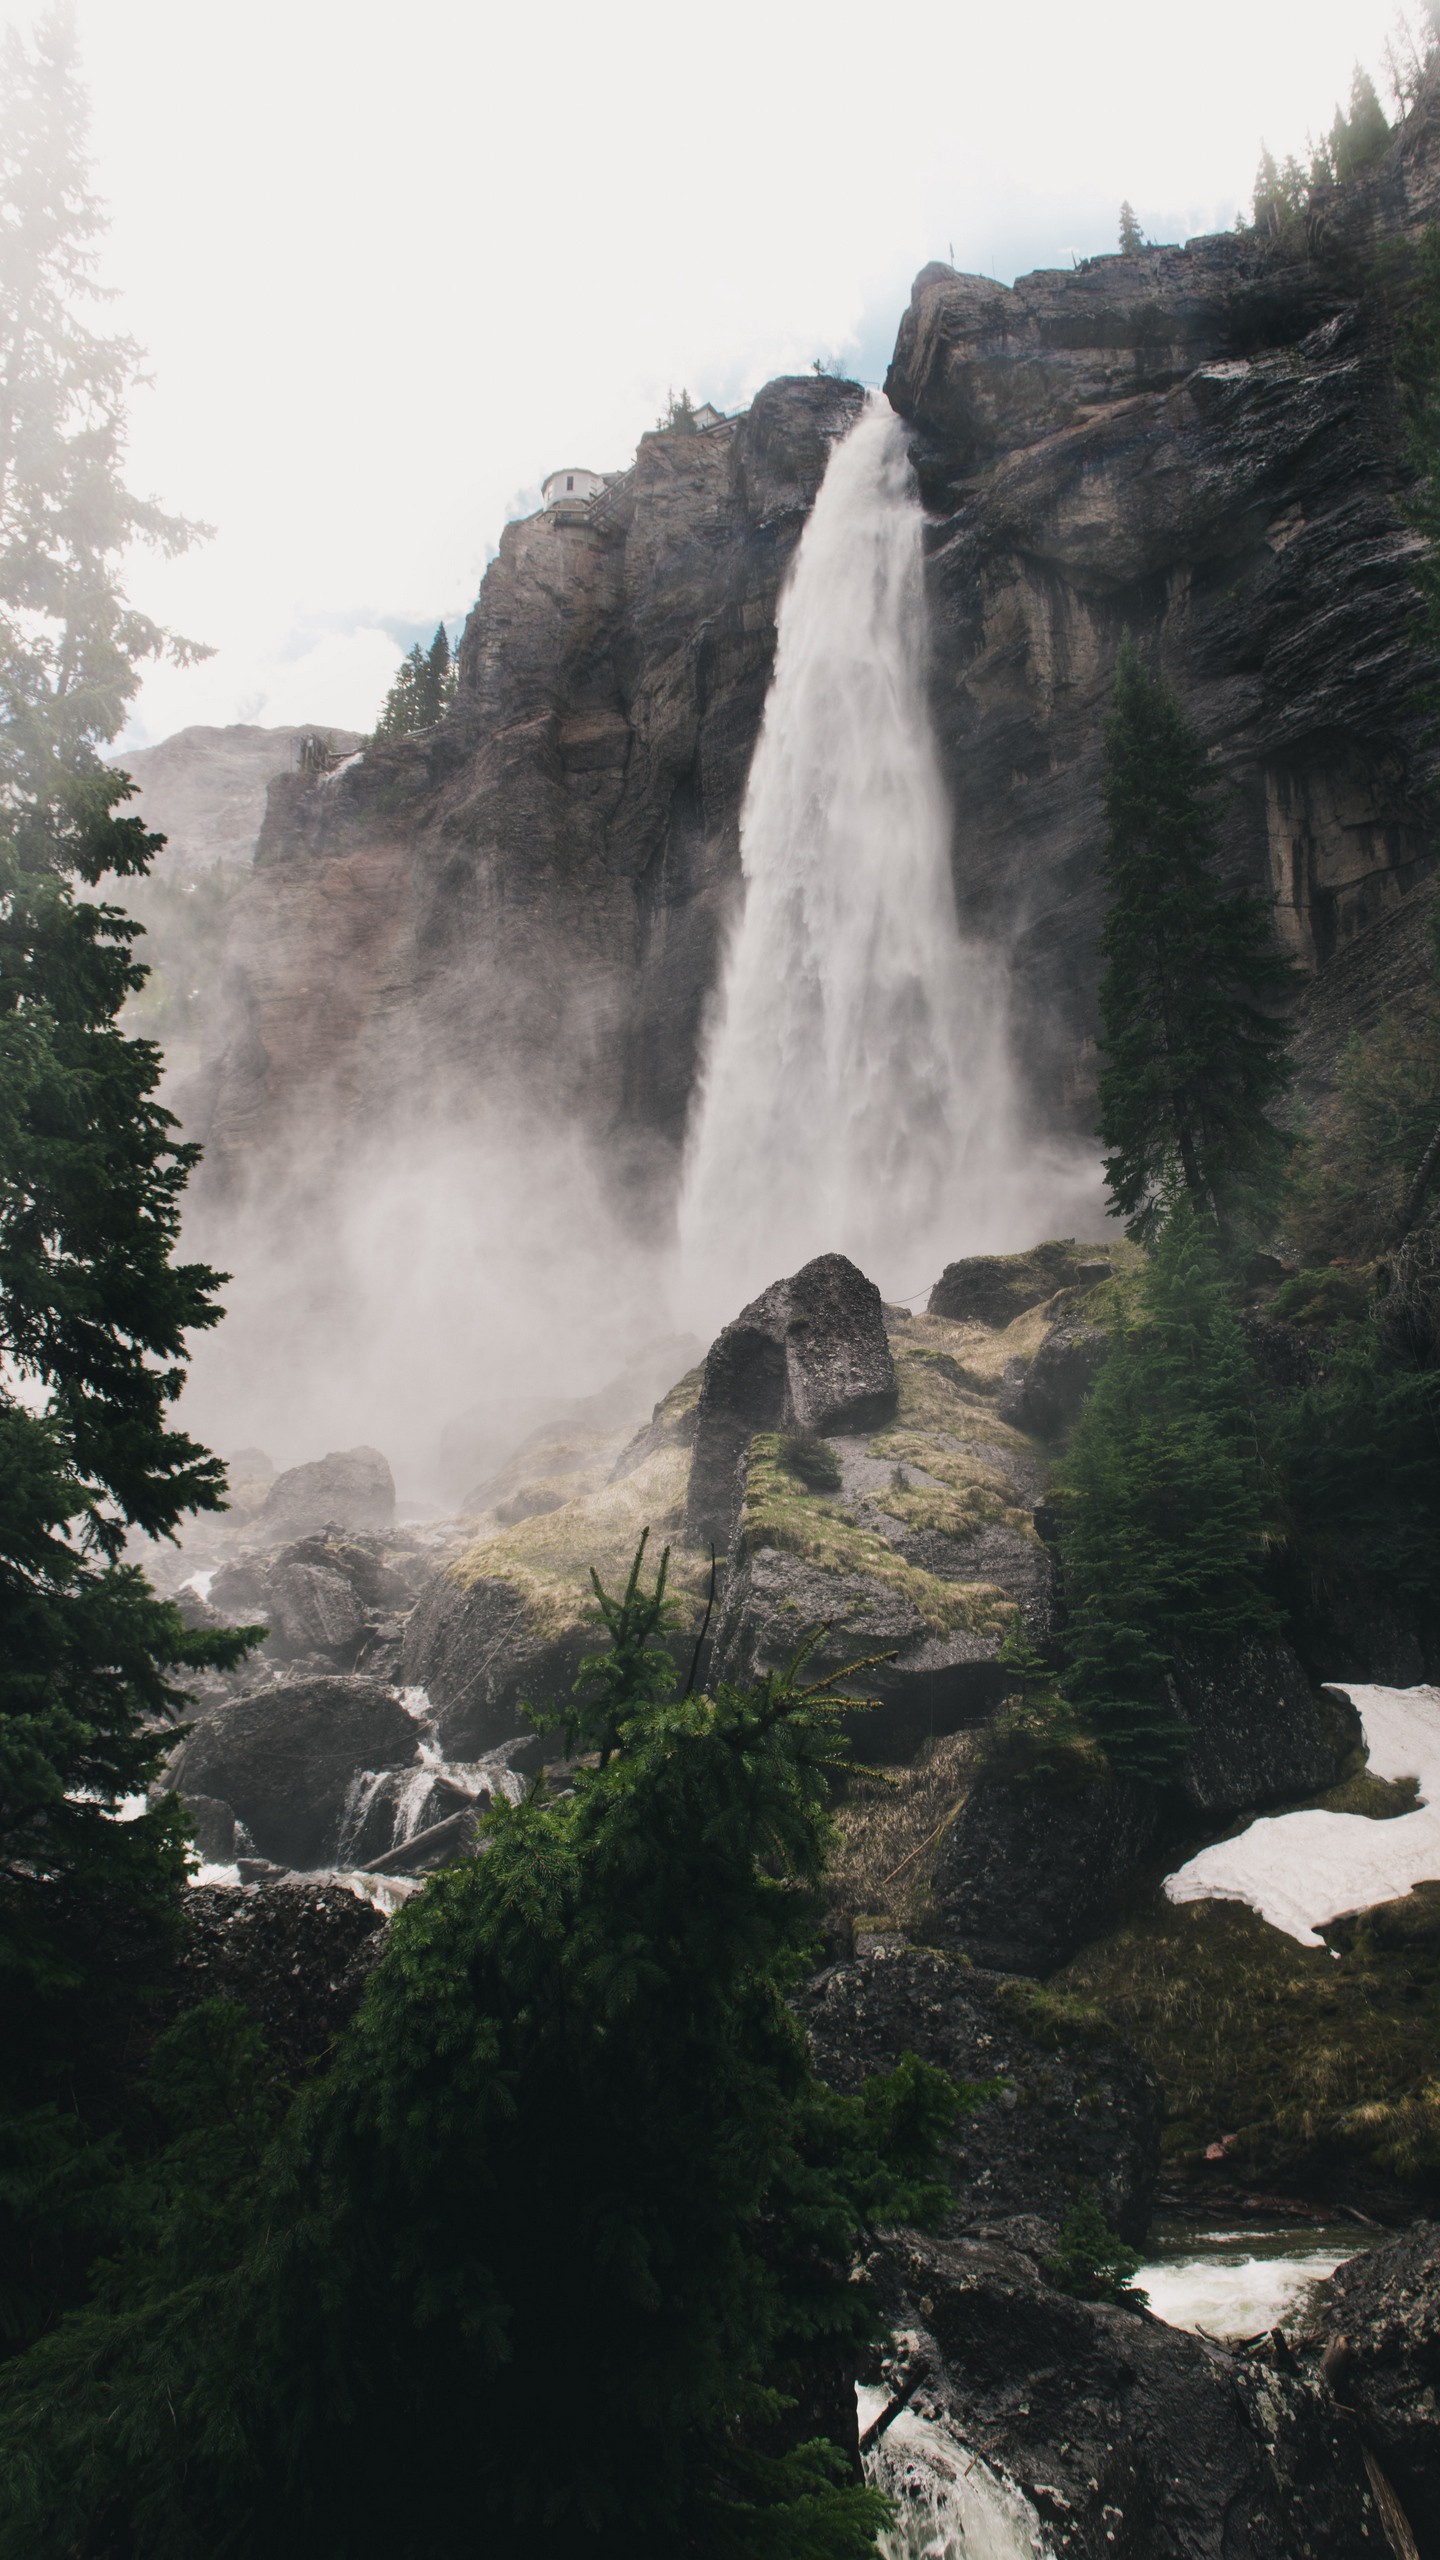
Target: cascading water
[949, 2504]
[856, 1095]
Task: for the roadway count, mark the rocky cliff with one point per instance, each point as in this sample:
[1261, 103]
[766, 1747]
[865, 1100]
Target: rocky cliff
[534, 893]
[1202, 443]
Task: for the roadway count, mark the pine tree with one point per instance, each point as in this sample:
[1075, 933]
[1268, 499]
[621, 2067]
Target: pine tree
[575, 2119]
[1132, 238]
[402, 713]
[1193, 1054]
[94, 1310]
[1165, 1510]
[422, 692]
[439, 678]
[1360, 138]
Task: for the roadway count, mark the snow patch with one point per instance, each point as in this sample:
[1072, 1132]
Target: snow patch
[1302, 1870]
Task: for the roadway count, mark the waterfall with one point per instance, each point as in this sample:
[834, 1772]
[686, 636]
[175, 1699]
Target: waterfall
[856, 1094]
[949, 2504]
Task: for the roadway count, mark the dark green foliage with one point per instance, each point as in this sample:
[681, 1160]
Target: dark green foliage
[1364, 1170]
[1092, 2260]
[1358, 1455]
[95, 1312]
[422, 692]
[558, 2256]
[1193, 1055]
[806, 1455]
[1280, 198]
[1036, 1737]
[1361, 136]
[1165, 1509]
[1132, 238]
[1358, 138]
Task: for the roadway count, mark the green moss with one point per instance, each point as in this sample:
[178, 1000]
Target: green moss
[1298, 2063]
[1053, 2017]
[779, 1511]
[547, 1559]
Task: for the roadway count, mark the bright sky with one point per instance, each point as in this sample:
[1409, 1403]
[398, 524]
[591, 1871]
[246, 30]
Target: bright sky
[393, 264]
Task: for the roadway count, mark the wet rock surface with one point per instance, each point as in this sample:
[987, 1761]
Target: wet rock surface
[810, 1353]
[1376, 2325]
[296, 1955]
[1027, 1873]
[287, 1757]
[1046, 1397]
[1078, 2111]
[476, 1651]
[1129, 2437]
[1257, 1731]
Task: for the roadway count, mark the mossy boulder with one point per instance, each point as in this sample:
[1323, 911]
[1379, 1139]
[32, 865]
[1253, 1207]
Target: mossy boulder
[993, 1288]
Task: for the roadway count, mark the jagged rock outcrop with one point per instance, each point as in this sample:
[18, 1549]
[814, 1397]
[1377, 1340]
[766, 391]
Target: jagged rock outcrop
[287, 1758]
[809, 1354]
[1376, 2328]
[994, 1288]
[1027, 1872]
[1127, 2436]
[1077, 2109]
[1202, 443]
[349, 1488]
[533, 893]
[296, 1954]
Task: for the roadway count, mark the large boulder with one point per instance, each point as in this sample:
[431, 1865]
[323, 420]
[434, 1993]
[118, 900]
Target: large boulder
[296, 1955]
[312, 1609]
[1078, 2109]
[994, 1288]
[1377, 2323]
[1046, 1396]
[1027, 1872]
[351, 1487]
[931, 1679]
[290, 1760]
[1256, 1731]
[476, 1649]
[1131, 2440]
[811, 1352]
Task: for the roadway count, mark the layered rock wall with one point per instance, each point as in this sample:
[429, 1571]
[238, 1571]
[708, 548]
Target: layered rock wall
[1200, 444]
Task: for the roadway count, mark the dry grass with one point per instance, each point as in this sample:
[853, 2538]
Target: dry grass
[548, 1558]
[890, 1834]
[1301, 2057]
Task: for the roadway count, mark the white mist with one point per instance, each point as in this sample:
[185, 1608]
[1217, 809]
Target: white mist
[857, 1094]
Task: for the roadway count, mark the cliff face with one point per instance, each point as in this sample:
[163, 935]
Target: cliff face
[1200, 444]
[533, 894]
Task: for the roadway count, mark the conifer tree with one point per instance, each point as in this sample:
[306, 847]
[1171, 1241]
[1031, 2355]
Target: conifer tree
[95, 1312]
[1193, 1054]
[402, 712]
[553, 2258]
[1359, 138]
[422, 692]
[1164, 1506]
[1132, 238]
[439, 678]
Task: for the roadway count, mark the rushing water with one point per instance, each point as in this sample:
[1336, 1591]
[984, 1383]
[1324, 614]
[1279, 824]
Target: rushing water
[856, 1095]
[949, 2505]
[1232, 2284]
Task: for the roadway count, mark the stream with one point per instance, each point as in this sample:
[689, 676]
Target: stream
[1233, 2283]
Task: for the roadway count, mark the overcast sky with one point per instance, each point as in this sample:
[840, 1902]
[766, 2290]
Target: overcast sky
[392, 264]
